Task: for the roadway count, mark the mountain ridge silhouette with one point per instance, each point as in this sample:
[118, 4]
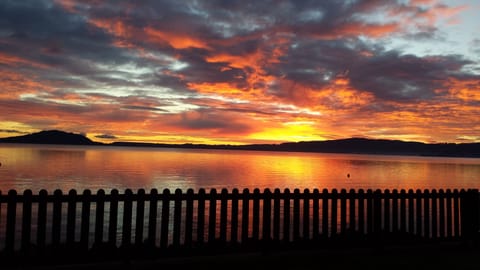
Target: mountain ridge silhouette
[349, 145]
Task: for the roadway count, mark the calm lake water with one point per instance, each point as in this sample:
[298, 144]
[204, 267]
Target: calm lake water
[53, 167]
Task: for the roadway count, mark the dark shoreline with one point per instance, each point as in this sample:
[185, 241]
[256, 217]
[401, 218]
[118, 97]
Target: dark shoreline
[343, 146]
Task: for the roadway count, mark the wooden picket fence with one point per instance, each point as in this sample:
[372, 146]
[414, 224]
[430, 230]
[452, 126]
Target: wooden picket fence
[189, 220]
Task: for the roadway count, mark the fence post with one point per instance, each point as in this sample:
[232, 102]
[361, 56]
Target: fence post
[441, 198]
[152, 218]
[286, 216]
[386, 210]
[325, 209]
[177, 217]
[256, 215]
[316, 212]
[469, 214]
[127, 219]
[57, 217]
[26, 221]
[343, 211]
[165, 218]
[212, 216]
[276, 214]
[334, 212]
[456, 213]
[245, 215]
[361, 211]
[99, 217]
[201, 217]
[377, 214]
[71, 217]
[296, 214]
[411, 212]
[223, 215]
[266, 232]
[112, 226]
[85, 223]
[11, 218]
[139, 222]
[325, 221]
[395, 223]
[370, 216]
[403, 211]
[42, 219]
[475, 215]
[434, 218]
[306, 214]
[234, 221]
[418, 197]
[351, 206]
[189, 219]
[426, 213]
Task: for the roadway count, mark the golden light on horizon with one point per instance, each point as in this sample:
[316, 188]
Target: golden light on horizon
[289, 132]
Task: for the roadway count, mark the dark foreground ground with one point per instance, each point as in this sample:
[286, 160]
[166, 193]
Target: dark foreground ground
[451, 256]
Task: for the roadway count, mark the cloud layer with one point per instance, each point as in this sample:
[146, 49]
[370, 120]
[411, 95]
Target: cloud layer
[238, 71]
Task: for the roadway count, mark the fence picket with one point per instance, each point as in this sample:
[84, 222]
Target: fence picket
[256, 215]
[113, 218]
[276, 214]
[177, 217]
[201, 217]
[57, 217]
[212, 216]
[286, 216]
[189, 219]
[245, 215]
[26, 220]
[11, 218]
[165, 218]
[85, 221]
[99, 216]
[316, 214]
[267, 210]
[296, 214]
[223, 215]
[234, 221]
[42, 219]
[140, 217]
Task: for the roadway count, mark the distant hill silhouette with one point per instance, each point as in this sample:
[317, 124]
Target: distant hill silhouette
[352, 145]
[51, 137]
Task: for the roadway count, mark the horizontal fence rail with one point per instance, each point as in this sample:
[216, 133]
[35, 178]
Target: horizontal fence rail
[187, 220]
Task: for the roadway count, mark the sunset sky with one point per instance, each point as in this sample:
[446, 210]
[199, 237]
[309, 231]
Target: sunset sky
[241, 72]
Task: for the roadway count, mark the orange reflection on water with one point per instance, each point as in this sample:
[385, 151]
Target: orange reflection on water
[67, 167]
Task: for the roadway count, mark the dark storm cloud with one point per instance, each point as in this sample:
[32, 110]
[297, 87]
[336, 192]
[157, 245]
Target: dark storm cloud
[389, 75]
[106, 136]
[392, 76]
[13, 131]
[143, 108]
[210, 119]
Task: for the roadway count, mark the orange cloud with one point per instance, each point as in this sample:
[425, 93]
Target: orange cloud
[15, 84]
[12, 60]
[236, 61]
[465, 90]
[176, 40]
[370, 30]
